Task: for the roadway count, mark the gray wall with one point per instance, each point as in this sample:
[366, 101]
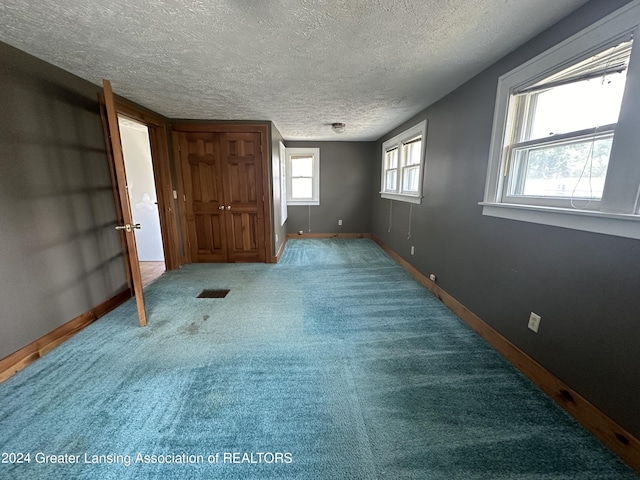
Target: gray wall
[279, 231]
[585, 286]
[59, 254]
[346, 173]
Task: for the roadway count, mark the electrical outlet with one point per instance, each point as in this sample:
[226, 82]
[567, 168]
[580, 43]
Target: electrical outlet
[276, 238]
[339, 222]
[534, 322]
[432, 277]
[413, 250]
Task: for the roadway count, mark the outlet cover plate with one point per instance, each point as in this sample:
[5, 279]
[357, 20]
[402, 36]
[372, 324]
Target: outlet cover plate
[534, 322]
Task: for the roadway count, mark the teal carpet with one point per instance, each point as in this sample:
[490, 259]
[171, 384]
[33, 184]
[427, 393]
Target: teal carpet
[332, 364]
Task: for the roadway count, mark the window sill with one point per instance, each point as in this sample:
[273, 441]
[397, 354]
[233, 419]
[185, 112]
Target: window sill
[619, 225]
[401, 198]
[299, 203]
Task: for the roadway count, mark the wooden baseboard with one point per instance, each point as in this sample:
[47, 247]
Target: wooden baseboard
[28, 354]
[328, 235]
[621, 442]
[280, 250]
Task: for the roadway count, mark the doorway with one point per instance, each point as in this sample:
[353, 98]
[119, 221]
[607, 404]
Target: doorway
[141, 184]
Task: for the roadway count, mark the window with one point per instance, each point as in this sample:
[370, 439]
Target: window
[303, 176]
[403, 165]
[562, 132]
[565, 149]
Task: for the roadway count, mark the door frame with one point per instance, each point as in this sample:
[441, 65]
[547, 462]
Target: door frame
[230, 127]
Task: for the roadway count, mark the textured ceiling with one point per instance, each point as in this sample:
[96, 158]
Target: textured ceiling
[302, 64]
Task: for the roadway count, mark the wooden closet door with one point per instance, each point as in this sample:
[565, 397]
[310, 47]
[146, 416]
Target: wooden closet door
[244, 200]
[203, 170]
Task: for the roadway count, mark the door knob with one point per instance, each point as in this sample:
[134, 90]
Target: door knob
[221, 207]
[228, 207]
[129, 227]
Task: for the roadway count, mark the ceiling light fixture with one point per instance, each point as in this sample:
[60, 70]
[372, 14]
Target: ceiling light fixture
[338, 127]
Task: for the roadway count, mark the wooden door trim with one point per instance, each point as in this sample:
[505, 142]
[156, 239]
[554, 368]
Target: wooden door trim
[204, 127]
[163, 179]
[137, 113]
[182, 207]
[267, 175]
[164, 192]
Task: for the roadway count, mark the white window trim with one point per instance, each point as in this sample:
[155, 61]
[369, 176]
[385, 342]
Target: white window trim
[315, 152]
[397, 141]
[619, 215]
[283, 184]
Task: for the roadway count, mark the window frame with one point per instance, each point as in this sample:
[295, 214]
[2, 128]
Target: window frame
[617, 213]
[315, 178]
[398, 143]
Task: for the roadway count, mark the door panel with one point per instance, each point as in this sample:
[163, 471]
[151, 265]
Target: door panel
[208, 239]
[242, 184]
[242, 160]
[202, 176]
[244, 230]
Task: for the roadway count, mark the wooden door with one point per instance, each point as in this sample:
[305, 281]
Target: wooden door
[128, 228]
[244, 196]
[202, 172]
